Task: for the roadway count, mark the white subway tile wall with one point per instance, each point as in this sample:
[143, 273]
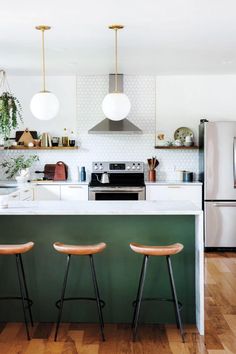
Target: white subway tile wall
[117, 147]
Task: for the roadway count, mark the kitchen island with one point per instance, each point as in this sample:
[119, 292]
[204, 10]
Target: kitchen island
[117, 223]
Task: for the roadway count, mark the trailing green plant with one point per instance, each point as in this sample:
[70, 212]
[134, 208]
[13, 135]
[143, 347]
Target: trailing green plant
[10, 114]
[14, 165]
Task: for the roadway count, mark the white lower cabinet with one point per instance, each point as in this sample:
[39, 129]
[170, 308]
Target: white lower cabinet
[26, 194]
[23, 194]
[47, 192]
[15, 196]
[169, 192]
[61, 192]
[74, 192]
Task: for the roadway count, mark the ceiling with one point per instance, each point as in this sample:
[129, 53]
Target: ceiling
[160, 37]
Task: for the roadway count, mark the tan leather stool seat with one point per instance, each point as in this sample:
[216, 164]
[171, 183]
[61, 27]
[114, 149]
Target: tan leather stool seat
[157, 250]
[16, 249]
[79, 249]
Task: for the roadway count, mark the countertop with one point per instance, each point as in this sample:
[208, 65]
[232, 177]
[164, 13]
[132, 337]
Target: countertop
[101, 208]
[165, 183]
[175, 182]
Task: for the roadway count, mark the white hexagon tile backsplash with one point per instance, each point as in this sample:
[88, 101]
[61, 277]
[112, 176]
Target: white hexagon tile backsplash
[90, 93]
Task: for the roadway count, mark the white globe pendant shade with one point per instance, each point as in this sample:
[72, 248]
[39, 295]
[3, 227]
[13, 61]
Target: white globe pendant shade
[44, 105]
[116, 106]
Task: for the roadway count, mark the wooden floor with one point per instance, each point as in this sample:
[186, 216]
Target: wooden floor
[220, 309]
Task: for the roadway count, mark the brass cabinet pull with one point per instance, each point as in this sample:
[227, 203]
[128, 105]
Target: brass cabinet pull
[177, 187]
[74, 186]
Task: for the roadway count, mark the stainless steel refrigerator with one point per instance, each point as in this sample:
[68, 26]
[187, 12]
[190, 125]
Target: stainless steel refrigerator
[217, 164]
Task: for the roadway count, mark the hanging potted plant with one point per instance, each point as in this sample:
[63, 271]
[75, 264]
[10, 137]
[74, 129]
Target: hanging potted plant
[10, 110]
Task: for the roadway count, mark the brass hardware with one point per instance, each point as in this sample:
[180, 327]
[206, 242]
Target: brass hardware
[116, 28]
[43, 28]
[78, 187]
[173, 187]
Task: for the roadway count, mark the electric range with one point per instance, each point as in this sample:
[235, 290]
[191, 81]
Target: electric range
[117, 181]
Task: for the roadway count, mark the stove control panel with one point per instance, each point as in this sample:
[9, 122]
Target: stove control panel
[118, 167]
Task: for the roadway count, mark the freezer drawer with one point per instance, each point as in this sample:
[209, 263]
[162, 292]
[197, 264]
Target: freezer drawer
[220, 224]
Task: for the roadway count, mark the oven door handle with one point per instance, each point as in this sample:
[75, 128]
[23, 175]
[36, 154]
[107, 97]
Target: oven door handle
[113, 190]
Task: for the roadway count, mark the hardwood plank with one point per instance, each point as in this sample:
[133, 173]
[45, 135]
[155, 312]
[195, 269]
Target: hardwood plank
[231, 320]
[43, 331]
[9, 332]
[36, 346]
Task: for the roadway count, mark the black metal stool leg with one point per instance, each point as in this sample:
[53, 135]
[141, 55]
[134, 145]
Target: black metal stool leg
[136, 301]
[175, 299]
[22, 295]
[97, 296]
[139, 297]
[62, 296]
[96, 283]
[26, 290]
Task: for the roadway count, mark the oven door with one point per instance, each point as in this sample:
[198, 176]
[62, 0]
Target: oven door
[117, 193]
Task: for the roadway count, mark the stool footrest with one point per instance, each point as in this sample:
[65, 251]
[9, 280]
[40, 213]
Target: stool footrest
[29, 301]
[58, 305]
[180, 305]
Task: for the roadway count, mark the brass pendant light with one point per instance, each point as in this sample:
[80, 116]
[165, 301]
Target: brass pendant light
[44, 105]
[116, 105]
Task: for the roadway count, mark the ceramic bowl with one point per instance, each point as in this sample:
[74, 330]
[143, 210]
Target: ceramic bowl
[188, 143]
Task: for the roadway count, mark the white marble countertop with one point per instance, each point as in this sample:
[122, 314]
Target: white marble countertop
[101, 208]
[68, 182]
[165, 183]
[32, 183]
[175, 182]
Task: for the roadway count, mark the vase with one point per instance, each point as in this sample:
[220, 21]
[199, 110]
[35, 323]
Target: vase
[152, 175]
[23, 176]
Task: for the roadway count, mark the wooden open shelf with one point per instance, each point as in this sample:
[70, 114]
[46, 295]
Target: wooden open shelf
[42, 148]
[194, 147]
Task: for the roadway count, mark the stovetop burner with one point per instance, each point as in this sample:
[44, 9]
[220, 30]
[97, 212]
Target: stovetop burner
[118, 179]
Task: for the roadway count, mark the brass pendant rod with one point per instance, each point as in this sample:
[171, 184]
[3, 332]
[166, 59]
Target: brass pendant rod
[116, 62]
[43, 62]
[43, 28]
[116, 28]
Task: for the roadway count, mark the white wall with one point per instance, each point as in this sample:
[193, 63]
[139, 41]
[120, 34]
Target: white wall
[81, 107]
[184, 100]
[64, 87]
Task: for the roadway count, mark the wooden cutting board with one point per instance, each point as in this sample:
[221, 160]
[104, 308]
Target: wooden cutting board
[26, 138]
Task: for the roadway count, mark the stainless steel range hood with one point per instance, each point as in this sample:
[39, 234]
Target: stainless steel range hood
[107, 126]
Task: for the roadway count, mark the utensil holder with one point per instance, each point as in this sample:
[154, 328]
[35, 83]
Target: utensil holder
[152, 175]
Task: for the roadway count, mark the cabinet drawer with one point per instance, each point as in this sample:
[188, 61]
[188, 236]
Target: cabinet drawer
[14, 197]
[26, 194]
[74, 192]
[175, 192]
[47, 192]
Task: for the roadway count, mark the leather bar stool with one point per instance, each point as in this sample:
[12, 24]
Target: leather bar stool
[17, 251]
[148, 251]
[80, 250]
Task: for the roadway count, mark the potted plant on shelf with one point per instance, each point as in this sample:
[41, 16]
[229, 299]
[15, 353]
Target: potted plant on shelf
[18, 167]
[10, 110]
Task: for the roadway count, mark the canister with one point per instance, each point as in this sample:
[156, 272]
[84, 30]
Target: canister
[187, 176]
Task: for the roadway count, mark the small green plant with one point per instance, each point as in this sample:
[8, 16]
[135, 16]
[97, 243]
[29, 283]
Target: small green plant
[16, 164]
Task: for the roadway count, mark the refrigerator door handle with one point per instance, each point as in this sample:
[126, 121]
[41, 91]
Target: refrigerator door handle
[225, 204]
[234, 161]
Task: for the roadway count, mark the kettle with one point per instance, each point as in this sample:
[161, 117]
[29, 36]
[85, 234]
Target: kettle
[104, 178]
